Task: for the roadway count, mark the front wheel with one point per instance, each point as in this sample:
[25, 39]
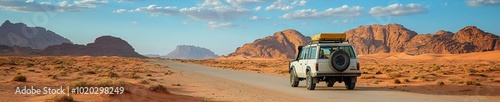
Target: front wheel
[310, 84]
[350, 82]
[294, 80]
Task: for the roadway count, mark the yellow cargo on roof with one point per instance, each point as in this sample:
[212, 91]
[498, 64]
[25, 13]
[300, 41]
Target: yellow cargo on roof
[329, 37]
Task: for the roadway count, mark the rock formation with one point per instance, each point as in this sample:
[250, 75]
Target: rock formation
[19, 34]
[191, 52]
[280, 45]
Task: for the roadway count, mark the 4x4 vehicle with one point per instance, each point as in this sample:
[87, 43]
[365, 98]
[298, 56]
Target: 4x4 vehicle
[327, 57]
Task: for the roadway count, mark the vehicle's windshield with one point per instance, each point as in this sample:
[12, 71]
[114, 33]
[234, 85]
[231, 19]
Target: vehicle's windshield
[325, 51]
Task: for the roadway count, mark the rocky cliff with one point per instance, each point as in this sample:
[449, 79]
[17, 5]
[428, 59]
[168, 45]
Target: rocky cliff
[281, 44]
[19, 34]
[372, 39]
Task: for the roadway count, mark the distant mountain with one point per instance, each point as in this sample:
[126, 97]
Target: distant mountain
[102, 46]
[20, 35]
[372, 39]
[281, 44]
[191, 52]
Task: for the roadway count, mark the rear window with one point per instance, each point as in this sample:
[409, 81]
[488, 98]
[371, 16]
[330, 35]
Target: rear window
[325, 51]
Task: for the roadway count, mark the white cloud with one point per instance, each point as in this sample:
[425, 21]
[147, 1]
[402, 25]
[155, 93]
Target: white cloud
[120, 11]
[300, 3]
[255, 18]
[285, 5]
[91, 3]
[64, 6]
[153, 10]
[128, 0]
[243, 3]
[257, 8]
[483, 2]
[214, 10]
[343, 11]
[341, 21]
[398, 10]
[214, 25]
[134, 22]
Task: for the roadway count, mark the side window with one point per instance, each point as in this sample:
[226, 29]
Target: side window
[312, 53]
[304, 53]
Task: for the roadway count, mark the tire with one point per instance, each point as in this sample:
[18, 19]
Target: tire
[339, 60]
[294, 80]
[350, 82]
[310, 84]
[330, 82]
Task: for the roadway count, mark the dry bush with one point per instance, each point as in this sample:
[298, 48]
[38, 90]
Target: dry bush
[19, 78]
[396, 81]
[376, 81]
[394, 75]
[440, 83]
[61, 98]
[367, 77]
[112, 75]
[158, 88]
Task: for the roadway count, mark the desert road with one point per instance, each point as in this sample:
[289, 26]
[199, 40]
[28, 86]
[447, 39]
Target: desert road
[274, 85]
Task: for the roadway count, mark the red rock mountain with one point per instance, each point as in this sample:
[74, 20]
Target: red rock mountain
[396, 38]
[281, 44]
[373, 39]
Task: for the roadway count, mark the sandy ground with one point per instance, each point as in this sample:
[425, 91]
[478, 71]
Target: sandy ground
[235, 85]
[439, 74]
[135, 75]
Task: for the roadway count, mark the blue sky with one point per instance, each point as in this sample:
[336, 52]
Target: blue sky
[157, 26]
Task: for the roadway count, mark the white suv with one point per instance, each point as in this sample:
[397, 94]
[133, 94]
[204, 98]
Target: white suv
[325, 60]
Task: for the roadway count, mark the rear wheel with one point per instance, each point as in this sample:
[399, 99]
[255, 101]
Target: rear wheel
[310, 84]
[350, 82]
[294, 80]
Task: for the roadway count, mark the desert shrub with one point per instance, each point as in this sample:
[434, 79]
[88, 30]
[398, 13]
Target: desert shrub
[470, 82]
[148, 75]
[378, 72]
[144, 82]
[53, 76]
[469, 70]
[396, 81]
[19, 78]
[90, 72]
[63, 73]
[406, 80]
[367, 77]
[112, 75]
[61, 98]
[394, 75]
[31, 70]
[440, 83]
[158, 88]
[375, 81]
[135, 76]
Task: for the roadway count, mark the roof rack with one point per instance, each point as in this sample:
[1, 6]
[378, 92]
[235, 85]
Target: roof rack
[329, 38]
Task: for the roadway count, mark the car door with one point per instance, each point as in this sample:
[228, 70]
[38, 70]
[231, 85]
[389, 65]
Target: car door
[311, 58]
[301, 69]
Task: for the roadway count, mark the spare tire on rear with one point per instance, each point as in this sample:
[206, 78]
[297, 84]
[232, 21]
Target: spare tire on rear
[339, 60]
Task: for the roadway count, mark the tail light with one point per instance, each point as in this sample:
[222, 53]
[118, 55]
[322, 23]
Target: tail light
[357, 67]
[316, 66]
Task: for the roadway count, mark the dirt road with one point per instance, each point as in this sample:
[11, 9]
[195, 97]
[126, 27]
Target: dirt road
[230, 85]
